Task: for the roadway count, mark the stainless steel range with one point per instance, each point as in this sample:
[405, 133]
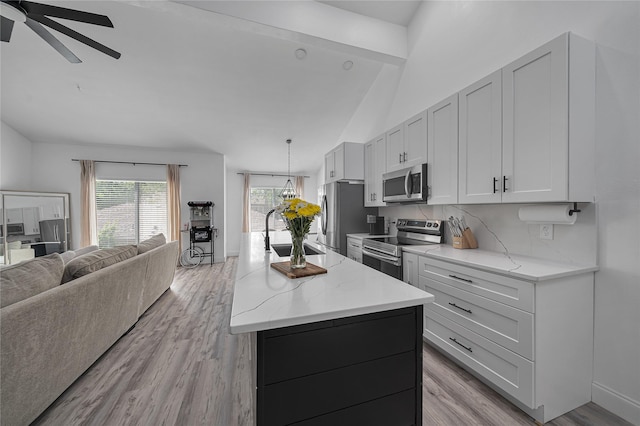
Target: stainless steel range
[385, 253]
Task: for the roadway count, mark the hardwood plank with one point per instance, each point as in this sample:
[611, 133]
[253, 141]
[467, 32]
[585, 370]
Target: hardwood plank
[180, 366]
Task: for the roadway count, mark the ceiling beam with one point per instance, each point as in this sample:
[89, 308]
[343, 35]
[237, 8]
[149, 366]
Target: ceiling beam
[316, 24]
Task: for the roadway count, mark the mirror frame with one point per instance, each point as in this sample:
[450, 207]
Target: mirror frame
[66, 214]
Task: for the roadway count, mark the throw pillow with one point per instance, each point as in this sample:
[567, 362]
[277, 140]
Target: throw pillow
[28, 278]
[151, 243]
[85, 250]
[96, 260]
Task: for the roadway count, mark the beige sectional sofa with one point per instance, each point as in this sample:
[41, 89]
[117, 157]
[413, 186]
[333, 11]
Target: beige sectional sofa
[59, 329]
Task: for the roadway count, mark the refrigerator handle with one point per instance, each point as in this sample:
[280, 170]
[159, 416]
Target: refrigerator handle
[323, 215]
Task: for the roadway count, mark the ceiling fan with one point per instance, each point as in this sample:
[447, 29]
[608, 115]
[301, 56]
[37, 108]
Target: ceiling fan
[36, 16]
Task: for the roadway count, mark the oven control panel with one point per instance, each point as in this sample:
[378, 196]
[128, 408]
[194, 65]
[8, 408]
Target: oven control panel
[423, 226]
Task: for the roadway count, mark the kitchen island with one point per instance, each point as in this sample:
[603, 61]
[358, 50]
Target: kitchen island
[343, 347]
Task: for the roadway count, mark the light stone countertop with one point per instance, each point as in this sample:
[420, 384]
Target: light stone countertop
[265, 299]
[365, 235]
[511, 265]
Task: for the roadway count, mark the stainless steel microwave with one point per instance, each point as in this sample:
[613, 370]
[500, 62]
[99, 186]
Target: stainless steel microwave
[406, 185]
[15, 229]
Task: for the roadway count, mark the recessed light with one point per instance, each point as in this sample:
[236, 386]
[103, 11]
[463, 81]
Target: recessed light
[301, 53]
[347, 65]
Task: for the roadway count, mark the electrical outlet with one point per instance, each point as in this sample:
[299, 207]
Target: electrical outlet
[546, 232]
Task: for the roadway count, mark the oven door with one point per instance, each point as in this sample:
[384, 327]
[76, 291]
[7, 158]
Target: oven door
[384, 263]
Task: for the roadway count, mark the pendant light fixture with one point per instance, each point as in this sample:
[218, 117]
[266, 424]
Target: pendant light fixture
[288, 192]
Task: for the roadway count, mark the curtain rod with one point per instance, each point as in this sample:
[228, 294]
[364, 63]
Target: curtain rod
[133, 162]
[272, 175]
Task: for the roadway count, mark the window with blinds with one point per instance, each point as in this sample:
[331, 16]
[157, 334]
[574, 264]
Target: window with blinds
[263, 199]
[130, 211]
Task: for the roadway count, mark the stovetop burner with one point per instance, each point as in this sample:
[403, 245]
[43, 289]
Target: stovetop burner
[410, 232]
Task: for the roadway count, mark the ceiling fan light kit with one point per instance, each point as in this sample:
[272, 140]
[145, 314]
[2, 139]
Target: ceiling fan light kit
[36, 16]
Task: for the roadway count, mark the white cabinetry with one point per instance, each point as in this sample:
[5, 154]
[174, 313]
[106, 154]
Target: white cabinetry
[531, 340]
[442, 143]
[410, 268]
[354, 249]
[14, 216]
[31, 217]
[345, 162]
[548, 99]
[480, 141]
[50, 211]
[407, 143]
[374, 167]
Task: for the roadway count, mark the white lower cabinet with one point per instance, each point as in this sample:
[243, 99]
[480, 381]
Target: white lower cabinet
[530, 340]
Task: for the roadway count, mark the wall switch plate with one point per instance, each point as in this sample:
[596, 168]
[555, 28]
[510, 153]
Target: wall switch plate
[546, 232]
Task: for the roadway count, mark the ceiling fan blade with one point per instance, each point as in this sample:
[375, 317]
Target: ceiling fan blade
[76, 35]
[54, 42]
[6, 25]
[64, 13]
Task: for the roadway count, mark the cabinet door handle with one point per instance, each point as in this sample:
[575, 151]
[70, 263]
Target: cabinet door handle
[462, 309]
[504, 183]
[453, 339]
[461, 279]
[400, 157]
[495, 180]
[404, 157]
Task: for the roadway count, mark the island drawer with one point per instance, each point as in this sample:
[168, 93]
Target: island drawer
[309, 349]
[505, 369]
[500, 323]
[510, 291]
[323, 393]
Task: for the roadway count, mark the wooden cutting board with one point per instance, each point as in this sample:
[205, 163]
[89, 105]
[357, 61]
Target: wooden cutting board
[310, 269]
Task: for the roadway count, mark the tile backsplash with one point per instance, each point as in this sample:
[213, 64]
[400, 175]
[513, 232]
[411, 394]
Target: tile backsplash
[498, 228]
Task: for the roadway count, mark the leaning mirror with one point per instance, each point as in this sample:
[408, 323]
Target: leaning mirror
[33, 224]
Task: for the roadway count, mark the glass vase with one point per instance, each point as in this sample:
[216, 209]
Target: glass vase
[298, 258]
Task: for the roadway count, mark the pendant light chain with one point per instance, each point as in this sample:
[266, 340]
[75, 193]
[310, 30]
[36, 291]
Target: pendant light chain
[288, 192]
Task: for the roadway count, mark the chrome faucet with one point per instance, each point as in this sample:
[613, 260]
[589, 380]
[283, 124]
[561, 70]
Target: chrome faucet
[267, 245]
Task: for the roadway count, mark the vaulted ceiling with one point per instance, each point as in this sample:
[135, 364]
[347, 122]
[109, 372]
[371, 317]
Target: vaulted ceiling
[217, 76]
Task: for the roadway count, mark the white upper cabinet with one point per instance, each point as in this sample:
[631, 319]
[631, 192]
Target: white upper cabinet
[442, 142]
[374, 167]
[480, 141]
[415, 135]
[407, 143]
[548, 99]
[395, 148]
[31, 217]
[14, 216]
[345, 162]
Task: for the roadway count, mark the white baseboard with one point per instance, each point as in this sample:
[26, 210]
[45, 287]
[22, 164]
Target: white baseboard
[618, 404]
[233, 253]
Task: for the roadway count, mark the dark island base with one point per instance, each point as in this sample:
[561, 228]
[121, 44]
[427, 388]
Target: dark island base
[362, 370]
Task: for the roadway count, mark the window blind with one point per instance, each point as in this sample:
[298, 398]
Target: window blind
[130, 211]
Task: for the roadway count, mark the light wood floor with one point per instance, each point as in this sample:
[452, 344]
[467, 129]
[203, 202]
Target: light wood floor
[180, 366]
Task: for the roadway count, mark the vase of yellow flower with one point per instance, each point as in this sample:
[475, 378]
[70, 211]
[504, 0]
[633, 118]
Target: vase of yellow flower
[298, 215]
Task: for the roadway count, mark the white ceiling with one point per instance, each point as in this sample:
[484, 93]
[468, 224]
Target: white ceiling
[190, 79]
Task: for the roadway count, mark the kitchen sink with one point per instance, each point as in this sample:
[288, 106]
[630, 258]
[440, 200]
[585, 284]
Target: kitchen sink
[284, 250]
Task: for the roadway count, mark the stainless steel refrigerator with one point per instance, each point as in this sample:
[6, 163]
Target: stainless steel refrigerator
[53, 235]
[343, 213]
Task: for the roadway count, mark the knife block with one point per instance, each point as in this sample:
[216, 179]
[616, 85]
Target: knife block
[466, 241]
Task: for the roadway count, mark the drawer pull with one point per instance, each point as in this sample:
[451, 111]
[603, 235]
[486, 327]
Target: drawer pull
[461, 279]
[462, 309]
[453, 339]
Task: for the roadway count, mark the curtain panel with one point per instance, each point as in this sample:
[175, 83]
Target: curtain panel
[173, 204]
[88, 215]
[299, 186]
[246, 204]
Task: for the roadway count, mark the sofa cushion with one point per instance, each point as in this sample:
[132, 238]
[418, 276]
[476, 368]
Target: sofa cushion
[151, 243]
[96, 260]
[28, 278]
[67, 256]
